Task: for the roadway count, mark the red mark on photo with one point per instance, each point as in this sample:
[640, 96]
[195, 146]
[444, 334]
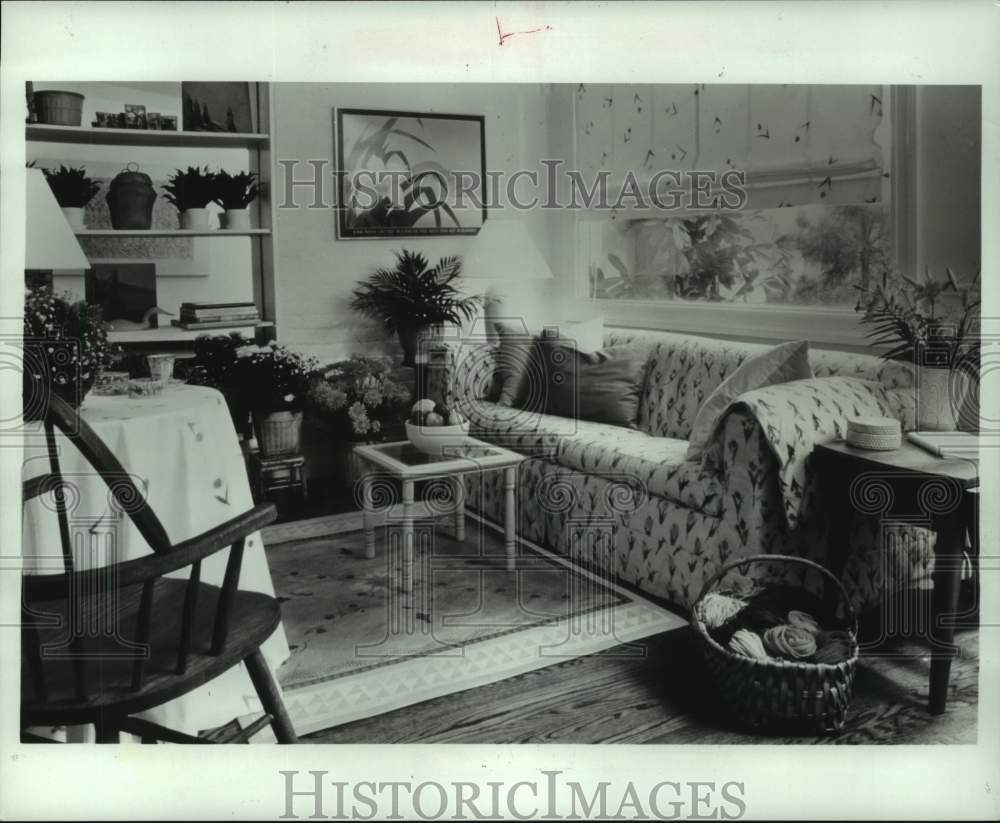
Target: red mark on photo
[508, 34]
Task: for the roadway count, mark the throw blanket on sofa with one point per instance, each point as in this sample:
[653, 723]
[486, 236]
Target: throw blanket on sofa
[795, 417]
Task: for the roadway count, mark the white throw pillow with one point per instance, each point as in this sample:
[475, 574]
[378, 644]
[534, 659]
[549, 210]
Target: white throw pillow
[781, 364]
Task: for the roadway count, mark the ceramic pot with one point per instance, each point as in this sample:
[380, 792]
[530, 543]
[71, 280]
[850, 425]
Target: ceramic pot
[236, 220]
[195, 219]
[278, 432]
[74, 216]
[940, 394]
[130, 199]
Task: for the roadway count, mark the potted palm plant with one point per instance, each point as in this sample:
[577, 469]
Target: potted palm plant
[412, 297]
[917, 325]
[191, 191]
[235, 193]
[73, 190]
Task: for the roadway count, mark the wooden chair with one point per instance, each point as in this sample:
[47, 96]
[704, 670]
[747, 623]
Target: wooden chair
[167, 635]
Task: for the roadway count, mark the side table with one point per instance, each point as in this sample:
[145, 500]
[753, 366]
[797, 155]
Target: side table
[907, 483]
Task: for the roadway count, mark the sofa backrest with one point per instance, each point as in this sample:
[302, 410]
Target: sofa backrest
[683, 370]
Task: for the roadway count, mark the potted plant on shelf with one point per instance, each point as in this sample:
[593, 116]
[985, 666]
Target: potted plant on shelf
[65, 349]
[930, 324]
[412, 297]
[191, 191]
[235, 193]
[357, 400]
[73, 190]
[273, 381]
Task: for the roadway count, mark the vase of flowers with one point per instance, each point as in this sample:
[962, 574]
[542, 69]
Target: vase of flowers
[274, 381]
[930, 324]
[65, 348]
[414, 297]
[358, 400]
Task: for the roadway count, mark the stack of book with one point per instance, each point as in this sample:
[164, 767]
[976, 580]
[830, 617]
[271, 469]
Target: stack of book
[217, 315]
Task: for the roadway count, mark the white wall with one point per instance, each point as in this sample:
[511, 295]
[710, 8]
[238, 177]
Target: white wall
[316, 272]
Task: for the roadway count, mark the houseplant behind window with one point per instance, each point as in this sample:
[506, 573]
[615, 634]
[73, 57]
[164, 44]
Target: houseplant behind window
[412, 297]
[914, 320]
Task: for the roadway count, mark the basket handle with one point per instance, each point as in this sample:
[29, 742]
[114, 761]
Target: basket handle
[759, 558]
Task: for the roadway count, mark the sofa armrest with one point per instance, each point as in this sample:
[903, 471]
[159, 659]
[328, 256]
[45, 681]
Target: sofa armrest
[460, 372]
[790, 420]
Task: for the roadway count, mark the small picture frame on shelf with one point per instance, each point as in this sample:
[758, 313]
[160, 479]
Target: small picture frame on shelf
[118, 122]
[168, 122]
[135, 116]
[103, 119]
[153, 120]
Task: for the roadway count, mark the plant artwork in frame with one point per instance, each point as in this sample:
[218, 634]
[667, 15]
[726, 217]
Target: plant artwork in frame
[406, 174]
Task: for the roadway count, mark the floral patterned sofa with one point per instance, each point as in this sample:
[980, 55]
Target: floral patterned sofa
[626, 501]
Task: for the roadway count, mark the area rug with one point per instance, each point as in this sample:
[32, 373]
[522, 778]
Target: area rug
[362, 646]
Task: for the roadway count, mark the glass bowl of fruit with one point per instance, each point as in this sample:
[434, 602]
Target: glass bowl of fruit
[434, 428]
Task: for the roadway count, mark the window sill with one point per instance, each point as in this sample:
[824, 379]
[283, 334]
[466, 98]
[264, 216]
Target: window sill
[828, 326]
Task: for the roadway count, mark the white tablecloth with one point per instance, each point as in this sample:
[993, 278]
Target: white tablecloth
[181, 448]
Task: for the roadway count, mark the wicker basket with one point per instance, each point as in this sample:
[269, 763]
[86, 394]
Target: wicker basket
[278, 433]
[59, 108]
[770, 695]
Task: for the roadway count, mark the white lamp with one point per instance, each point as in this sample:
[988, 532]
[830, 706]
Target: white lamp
[505, 250]
[49, 241]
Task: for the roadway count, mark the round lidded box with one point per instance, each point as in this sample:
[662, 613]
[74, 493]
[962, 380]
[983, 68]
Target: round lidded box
[875, 433]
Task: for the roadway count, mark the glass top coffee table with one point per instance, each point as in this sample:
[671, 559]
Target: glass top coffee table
[408, 464]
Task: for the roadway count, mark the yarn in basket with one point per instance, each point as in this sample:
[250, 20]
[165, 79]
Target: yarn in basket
[790, 641]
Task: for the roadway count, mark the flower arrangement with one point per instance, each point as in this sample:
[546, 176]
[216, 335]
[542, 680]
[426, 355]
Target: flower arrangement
[359, 397]
[65, 347]
[273, 377]
[914, 319]
[214, 365]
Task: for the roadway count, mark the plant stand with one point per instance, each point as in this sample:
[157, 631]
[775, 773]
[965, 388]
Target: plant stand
[270, 474]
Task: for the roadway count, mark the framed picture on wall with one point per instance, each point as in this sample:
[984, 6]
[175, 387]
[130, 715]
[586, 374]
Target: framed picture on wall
[405, 174]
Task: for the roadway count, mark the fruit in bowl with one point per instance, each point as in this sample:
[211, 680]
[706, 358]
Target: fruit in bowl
[434, 428]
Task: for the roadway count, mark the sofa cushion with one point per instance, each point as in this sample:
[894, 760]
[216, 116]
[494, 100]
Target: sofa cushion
[656, 465]
[781, 364]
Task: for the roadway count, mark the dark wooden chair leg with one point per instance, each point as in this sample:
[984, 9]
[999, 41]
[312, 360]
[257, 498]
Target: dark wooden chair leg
[944, 608]
[270, 697]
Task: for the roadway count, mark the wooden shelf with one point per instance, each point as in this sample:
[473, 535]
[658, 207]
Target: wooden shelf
[142, 137]
[173, 334]
[170, 233]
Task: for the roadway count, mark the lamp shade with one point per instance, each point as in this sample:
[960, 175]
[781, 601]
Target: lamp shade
[49, 241]
[505, 249]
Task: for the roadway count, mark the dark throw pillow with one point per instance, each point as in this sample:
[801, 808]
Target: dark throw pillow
[601, 386]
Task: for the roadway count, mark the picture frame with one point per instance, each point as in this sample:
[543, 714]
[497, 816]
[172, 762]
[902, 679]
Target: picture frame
[135, 116]
[153, 120]
[218, 106]
[400, 173]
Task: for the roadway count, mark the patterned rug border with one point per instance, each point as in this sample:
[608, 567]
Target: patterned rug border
[324, 702]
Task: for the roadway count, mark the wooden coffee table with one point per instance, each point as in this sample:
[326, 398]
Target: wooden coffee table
[406, 463]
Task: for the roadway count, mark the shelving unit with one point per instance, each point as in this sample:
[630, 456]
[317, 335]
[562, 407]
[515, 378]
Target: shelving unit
[78, 145]
[171, 233]
[142, 137]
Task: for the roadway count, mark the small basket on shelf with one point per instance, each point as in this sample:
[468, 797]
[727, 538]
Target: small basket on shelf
[762, 688]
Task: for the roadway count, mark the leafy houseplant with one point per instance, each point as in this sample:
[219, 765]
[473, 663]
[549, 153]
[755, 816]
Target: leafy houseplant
[234, 193]
[65, 348]
[73, 190]
[411, 297]
[914, 321]
[273, 381]
[191, 191]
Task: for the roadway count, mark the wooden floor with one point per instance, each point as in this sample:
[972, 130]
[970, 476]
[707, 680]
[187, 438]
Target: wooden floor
[661, 697]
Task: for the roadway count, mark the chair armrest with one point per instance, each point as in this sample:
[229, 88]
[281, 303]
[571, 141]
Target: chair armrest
[140, 569]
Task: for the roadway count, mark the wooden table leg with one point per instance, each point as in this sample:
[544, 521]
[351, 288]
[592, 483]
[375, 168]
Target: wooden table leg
[510, 515]
[458, 487]
[944, 606]
[407, 575]
[369, 515]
